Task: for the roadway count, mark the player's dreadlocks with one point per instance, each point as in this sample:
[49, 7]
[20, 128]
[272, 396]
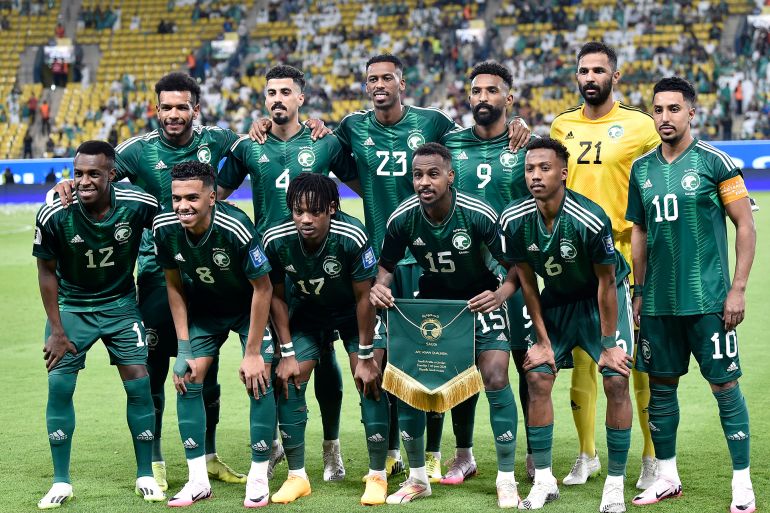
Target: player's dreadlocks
[319, 192]
[194, 171]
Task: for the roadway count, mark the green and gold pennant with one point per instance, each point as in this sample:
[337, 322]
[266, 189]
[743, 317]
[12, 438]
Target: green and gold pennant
[431, 354]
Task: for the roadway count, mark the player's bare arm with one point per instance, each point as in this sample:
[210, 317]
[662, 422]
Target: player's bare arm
[288, 367]
[380, 295]
[612, 355]
[64, 190]
[518, 134]
[541, 352]
[253, 372]
[185, 368]
[57, 344]
[745, 245]
[261, 127]
[639, 258]
[367, 375]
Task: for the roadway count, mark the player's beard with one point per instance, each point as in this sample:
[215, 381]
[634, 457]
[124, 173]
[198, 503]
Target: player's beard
[181, 135]
[486, 117]
[280, 117]
[604, 92]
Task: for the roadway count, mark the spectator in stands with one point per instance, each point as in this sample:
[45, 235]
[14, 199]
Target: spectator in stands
[27, 145]
[59, 30]
[45, 118]
[32, 106]
[8, 178]
[50, 177]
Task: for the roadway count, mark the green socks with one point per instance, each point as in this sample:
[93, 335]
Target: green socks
[262, 417]
[394, 435]
[211, 395]
[140, 415]
[541, 441]
[664, 419]
[434, 428]
[504, 418]
[60, 422]
[327, 384]
[375, 415]
[618, 444]
[192, 420]
[412, 424]
[463, 419]
[734, 416]
[292, 419]
[157, 367]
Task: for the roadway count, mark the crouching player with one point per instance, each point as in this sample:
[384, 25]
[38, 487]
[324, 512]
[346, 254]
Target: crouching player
[215, 244]
[567, 240]
[329, 261]
[85, 261]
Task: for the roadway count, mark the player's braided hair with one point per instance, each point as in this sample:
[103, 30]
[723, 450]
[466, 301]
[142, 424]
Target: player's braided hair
[178, 81]
[194, 170]
[676, 84]
[599, 47]
[286, 71]
[97, 148]
[433, 148]
[386, 57]
[319, 192]
[492, 68]
[549, 143]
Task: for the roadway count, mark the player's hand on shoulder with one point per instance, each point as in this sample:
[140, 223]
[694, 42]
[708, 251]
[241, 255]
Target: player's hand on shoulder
[259, 130]
[540, 354]
[254, 375]
[380, 296]
[485, 302]
[368, 378]
[56, 346]
[64, 190]
[735, 309]
[617, 359]
[318, 129]
[518, 134]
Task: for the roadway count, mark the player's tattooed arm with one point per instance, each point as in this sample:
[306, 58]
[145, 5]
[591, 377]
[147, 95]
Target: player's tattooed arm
[639, 260]
[745, 246]
[367, 374]
[518, 134]
[253, 371]
[288, 367]
[541, 352]
[57, 344]
[381, 295]
[612, 355]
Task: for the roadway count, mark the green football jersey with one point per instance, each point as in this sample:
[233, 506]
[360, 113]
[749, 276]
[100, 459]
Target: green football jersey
[383, 158]
[219, 265]
[322, 279]
[95, 259]
[451, 254]
[146, 161]
[564, 257]
[679, 205]
[271, 166]
[487, 167]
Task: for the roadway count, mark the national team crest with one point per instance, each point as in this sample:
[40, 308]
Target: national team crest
[221, 259]
[567, 250]
[646, 351]
[122, 233]
[690, 180]
[615, 132]
[431, 328]
[461, 240]
[306, 157]
[415, 140]
[508, 158]
[204, 154]
[332, 266]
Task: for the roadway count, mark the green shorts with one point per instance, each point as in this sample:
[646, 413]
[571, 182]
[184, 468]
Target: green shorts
[519, 322]
[120, 329]
[161, 335]
[406, 281]
[667, 341]
[578, 325]
[310, 339]
[207, 334]
[492, 333]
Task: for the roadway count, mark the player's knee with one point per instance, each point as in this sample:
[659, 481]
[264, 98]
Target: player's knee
[616, 388]
[720, 387]
[495, 379]
[539, 385]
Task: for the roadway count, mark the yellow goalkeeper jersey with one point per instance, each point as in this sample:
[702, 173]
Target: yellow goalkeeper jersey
[601, 153]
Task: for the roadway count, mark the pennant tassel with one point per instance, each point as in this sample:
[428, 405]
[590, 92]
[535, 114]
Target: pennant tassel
[460, 388]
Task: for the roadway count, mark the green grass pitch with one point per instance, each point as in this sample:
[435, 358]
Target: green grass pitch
[103, 462]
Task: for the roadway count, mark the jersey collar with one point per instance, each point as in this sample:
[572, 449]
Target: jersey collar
[609, 115]
[449, 215]
[404, 112]
[166, 142]
[299, 134]
[106, 216]
[541, 222]
[496, 138]
[205, 235]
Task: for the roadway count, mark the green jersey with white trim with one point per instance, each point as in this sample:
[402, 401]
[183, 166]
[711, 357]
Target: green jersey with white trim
[219, 265]
[383, 157]
[487, 167]
[564, 257]
[680, 206]
[451, 254]
[95, 259]
[270, 167]
[322, 279]
[146, 161]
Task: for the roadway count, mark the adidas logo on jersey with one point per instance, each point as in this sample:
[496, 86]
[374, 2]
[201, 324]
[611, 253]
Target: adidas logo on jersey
[569, 135]
[290, 268]
[376, 438]
[647, 184]
[145, 436]
[502, 337]
[76, 239]
[732, 367]
[533, 247]
[260, 446]
[284, 435]
[653, 427]
[368, 142]
[57, 435]
[462, 156]
[179, 257]
[406, 437]
[263, 159]
[505, 437]
[269, 349]
[740, 435]
[161, 165]
[190, 444]
[418, 242]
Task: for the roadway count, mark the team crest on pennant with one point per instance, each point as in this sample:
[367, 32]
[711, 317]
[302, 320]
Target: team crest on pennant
[431, 353]
[204, 154]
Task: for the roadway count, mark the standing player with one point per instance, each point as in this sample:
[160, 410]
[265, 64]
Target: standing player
[677, 200]
[606, 136]
[449, 233]
[85, 261]
[485, 165]
[326, 255]
[146, 161]
[289, 150]
[215, 244]
[567, 240]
